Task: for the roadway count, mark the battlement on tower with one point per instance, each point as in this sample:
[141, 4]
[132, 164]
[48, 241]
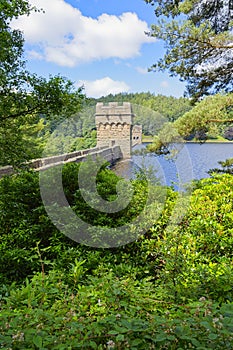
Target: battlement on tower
[113, 112]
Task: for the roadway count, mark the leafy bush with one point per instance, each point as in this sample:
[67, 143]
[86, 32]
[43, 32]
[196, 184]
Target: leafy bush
[109, 313]
[28, 235]
[170, 289]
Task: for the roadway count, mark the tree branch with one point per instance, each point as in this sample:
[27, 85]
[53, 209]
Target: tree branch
[209, 43]
[220, 121]
[20, 114]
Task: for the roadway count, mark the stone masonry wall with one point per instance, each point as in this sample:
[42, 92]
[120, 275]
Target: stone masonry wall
[137, 135]
[114, 126]
[111, 155]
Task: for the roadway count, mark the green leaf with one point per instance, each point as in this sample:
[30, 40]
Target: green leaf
[93, 345]
[113, 332]
[38, 341]
[160, 338]
[136, 342]
[212, 336]
[120, 337]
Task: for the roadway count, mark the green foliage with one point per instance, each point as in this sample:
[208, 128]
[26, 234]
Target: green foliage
[88, 141]
[27, 136]
[66, 138]
[227, 167]
[170, 289]
[23, 93]
[203, 121]
[25, 96]
[205, 115]
[207, 231]
[198, 43]
[24, 221]
[108, 313]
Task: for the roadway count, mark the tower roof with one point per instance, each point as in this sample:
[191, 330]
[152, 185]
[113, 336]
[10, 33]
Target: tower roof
[114, 108]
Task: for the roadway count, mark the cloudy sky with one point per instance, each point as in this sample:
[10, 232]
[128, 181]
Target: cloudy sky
[100, 44]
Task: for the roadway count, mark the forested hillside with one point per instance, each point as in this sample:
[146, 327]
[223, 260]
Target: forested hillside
[167, 107]
[78, 131]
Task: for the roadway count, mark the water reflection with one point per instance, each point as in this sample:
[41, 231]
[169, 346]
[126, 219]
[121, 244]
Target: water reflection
[192, 162]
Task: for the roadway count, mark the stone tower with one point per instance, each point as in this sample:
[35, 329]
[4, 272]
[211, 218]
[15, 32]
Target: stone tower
[114, 126]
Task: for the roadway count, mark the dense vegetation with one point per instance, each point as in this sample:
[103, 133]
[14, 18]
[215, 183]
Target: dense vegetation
[25, 97]
[210, 118]
[170, 289]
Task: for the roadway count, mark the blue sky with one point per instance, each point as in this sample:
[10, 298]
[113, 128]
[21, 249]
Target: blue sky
[100, 44]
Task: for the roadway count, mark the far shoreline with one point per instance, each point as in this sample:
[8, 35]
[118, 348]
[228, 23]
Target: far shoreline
[150, 140]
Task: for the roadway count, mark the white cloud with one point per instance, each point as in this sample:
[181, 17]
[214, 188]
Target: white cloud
[32, 54]
[103, 87]
[66, 37]
[142, 70]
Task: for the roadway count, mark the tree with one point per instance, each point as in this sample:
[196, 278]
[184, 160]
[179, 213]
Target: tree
[205, 116]
[25, 97]
[199, 43]
[226, 167]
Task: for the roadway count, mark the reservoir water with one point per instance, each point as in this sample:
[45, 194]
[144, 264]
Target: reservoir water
[192, 162]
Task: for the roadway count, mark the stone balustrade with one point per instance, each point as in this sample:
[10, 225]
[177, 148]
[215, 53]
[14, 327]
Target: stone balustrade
[110, 154]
